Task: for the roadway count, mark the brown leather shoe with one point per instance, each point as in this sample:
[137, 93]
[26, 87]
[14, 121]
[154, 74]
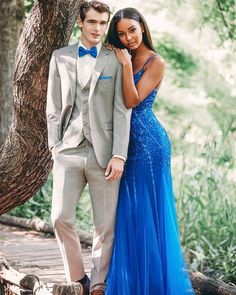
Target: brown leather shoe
[97, 292]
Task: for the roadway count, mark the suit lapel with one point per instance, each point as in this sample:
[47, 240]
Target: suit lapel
[72, 68]
[101, 62]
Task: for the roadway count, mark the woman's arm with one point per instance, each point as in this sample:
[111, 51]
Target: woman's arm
[151, 78]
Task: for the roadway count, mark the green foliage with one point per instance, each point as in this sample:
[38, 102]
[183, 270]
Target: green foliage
[172, 110]
[75, 34]
[183, 63]
[222, 107]
[39, 205]
[28, 5]
[206, 209]
[84, 216]
[221, 15]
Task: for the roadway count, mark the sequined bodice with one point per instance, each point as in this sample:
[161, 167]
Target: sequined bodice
[148, 139]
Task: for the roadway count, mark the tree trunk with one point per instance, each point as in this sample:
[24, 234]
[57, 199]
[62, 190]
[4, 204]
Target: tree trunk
[11, 21]
[208, 286]
[24, 158]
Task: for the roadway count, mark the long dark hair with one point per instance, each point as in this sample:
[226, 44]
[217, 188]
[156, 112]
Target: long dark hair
[129, 13]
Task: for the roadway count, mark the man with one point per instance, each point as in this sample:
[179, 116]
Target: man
[88, 133]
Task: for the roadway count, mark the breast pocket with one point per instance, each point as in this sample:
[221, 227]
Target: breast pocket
[105, 87]
[105, 78]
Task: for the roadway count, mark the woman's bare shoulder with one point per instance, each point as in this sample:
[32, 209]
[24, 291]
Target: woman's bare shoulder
[156, 63]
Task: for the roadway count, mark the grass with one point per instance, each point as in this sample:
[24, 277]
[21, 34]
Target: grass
[206, 208]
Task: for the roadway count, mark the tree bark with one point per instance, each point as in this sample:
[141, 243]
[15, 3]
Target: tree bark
[208, 286]
[68, 289]
[11, 21]
[24, 158]
[14, 282]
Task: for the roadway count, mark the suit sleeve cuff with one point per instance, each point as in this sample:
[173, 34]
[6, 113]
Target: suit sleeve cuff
[119, 157]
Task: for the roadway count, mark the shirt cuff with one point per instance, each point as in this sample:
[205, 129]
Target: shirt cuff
[119, 157]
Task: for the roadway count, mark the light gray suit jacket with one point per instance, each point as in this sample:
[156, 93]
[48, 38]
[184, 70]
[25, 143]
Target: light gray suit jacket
[109, 118]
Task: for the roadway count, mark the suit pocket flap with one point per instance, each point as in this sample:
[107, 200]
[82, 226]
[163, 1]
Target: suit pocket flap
[108, 126]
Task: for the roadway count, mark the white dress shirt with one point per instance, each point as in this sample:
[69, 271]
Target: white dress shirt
[86, 65]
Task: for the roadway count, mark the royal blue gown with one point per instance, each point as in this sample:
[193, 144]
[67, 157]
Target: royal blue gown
[147, 257]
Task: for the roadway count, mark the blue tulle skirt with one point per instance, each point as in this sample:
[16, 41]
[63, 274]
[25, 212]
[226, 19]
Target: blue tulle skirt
[147, 257]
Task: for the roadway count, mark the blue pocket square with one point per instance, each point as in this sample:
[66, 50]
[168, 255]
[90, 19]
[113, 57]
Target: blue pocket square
[105, 78]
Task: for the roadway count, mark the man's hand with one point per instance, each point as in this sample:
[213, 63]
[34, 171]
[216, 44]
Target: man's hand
[114, 169]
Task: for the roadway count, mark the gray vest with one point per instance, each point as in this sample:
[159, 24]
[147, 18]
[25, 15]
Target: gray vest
[79, 126]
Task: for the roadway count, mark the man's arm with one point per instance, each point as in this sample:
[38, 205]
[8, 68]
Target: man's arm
[121, 130]
[54, 103]
[121, 119]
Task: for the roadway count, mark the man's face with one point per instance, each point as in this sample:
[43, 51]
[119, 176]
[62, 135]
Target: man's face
[93, 27]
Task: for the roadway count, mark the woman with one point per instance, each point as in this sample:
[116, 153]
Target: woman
[147, 258]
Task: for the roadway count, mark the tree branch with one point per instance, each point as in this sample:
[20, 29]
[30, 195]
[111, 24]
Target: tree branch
[222, 13]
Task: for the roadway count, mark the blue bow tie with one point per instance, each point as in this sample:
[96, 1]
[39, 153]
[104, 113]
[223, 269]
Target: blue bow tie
[92, 51]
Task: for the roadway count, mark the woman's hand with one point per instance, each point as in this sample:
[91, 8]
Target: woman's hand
[110, 46]
[123, 56]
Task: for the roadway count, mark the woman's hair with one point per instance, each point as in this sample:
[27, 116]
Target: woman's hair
[129, 13]
[99, 6]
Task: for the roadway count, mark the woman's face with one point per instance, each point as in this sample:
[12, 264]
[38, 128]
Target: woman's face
[130, 33]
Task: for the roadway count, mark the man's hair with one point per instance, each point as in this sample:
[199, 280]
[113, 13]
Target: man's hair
[99, 6]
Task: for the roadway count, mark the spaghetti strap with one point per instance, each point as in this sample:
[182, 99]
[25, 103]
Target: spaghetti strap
[145, 63]
[148, 60]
